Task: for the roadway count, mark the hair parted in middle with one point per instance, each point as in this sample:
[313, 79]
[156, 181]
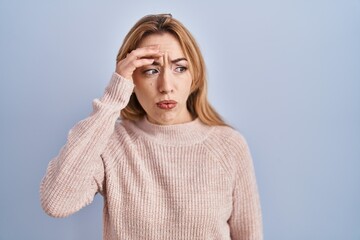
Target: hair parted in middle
[197, 102]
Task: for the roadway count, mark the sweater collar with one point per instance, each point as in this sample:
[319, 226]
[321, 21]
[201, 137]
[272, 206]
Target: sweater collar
[178, 134]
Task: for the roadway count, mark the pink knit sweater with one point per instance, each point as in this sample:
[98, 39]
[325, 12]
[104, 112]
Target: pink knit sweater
[184, 181]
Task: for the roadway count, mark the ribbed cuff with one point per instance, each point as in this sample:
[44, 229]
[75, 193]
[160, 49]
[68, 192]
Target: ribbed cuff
[118, 90]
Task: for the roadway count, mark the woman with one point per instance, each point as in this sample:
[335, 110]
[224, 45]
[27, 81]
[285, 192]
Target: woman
[171, 168]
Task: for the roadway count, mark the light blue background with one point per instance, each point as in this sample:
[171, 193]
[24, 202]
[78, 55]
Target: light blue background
[286, 74]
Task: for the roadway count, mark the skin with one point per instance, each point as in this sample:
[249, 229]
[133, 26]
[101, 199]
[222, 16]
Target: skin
[159, 70]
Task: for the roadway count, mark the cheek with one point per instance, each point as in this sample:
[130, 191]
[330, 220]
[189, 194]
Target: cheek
[187, 86]
[144, 93]
[140, 93]
[143, 100]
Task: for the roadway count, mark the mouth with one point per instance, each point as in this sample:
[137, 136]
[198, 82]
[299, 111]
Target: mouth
[166, 104]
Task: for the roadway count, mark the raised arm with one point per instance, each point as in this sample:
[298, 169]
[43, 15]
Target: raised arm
[76, 173]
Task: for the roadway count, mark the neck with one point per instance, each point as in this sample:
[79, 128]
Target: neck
[186, 133]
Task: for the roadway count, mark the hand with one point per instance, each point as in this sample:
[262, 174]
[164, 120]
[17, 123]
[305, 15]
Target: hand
[137, 58]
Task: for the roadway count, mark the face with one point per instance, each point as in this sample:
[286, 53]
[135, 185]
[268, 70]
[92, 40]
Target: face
[163, 87]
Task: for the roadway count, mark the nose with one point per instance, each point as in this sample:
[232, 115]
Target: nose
[165, 78]
[165, 82]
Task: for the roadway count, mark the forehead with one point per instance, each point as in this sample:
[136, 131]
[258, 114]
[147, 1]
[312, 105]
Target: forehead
[168, 43]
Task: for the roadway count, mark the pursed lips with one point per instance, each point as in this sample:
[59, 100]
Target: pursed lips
[166, 104]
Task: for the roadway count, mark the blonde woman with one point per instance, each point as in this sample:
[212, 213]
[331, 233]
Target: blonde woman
[166, 164]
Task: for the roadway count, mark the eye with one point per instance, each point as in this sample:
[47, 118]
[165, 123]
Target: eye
[151, 72]
[180, 69]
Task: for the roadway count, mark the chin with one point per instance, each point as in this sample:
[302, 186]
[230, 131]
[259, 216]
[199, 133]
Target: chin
[163, 120]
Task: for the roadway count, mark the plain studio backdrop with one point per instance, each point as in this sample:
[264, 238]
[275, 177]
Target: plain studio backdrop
[286, 74]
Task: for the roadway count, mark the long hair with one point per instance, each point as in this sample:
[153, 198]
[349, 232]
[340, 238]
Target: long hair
[197, 102]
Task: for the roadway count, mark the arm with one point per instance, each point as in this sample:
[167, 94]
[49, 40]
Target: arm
[246, 219]
[76, 173]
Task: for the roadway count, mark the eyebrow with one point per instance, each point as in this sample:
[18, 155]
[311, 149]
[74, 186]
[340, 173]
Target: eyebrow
[172, 61]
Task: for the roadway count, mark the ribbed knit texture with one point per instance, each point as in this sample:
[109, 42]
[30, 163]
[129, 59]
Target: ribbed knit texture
[184, 181]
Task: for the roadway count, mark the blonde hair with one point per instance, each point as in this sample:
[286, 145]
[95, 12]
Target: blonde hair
[197, 102]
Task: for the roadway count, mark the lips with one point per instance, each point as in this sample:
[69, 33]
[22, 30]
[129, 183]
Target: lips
[166, 104]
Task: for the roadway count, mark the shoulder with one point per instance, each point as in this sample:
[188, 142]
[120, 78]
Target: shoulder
[229, 147]
[227, 137]
[125, 131]
[121, 142]
[122, 136]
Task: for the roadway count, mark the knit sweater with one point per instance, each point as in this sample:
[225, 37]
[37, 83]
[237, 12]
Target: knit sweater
[183, 181]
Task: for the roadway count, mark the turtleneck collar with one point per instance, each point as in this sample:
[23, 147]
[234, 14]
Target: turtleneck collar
[178, 134]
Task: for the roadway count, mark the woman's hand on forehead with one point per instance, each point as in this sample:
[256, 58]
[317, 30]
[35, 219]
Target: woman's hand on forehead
[137, 58]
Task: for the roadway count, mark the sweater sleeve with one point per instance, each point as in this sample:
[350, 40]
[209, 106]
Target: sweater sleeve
[246, 218]
[76, 174]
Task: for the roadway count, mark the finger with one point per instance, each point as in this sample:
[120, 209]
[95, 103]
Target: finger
[143, 62]
[145, 52]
